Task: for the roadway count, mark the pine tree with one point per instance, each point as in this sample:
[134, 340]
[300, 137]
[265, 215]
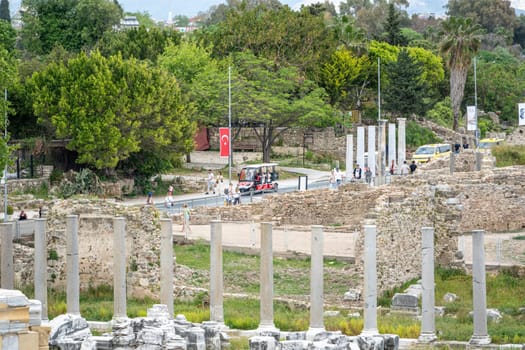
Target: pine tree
[393, 27]
[4, 11]
[406, 91]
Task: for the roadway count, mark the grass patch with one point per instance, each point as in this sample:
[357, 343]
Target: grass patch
[507, 155]
[291, 276]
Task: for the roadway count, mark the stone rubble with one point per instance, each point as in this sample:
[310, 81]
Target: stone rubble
[324, 341]
[157, 331]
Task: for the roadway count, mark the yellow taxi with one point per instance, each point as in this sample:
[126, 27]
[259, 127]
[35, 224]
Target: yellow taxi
[428, 152]
[488, 143]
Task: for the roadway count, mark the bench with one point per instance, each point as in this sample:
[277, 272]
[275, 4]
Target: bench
[245, 146]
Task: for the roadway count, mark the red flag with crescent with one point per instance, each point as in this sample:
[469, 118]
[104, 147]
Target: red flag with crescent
[224, 134]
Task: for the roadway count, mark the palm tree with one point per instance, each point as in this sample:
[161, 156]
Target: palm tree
[461, 38]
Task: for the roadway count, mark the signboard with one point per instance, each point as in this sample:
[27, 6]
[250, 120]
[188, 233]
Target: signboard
[521, 114]
[472, 120]
[224, 137]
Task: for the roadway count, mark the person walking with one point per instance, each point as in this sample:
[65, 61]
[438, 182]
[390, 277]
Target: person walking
[413, 167]
[219, 183]
[211, 182]
[357, 172]
[368, 176]
[404, 168]
[186, 217]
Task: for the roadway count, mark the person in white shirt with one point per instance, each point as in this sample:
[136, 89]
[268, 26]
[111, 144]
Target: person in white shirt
[338, 177]
[211, 182]
[404, 168]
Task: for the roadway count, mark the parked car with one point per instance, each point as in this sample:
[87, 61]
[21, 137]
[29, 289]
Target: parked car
[259, 178]
[426, 153]
[485, 145]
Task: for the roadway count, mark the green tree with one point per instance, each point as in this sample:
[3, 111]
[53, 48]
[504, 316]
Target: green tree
[393, 27]
[489, 14]
[460, 42]
[142, 43]
[500, 83]
[271, 100]
[109, 109]
[73, 24]
[4, 11]
[346, 78]
[406, 90]
[7, 36]
[274, 32]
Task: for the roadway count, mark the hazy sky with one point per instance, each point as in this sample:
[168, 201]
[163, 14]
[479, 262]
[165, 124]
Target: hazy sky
[159, 9]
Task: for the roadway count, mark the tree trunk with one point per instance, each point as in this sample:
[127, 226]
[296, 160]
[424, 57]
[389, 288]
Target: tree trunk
[458, 77]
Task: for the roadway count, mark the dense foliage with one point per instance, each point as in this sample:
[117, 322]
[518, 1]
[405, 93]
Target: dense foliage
[130, 99]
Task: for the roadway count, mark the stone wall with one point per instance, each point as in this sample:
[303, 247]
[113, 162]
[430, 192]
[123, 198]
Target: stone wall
[96, 246]
[493, 200]
[290, 140]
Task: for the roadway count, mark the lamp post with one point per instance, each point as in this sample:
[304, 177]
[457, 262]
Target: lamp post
[4, 178]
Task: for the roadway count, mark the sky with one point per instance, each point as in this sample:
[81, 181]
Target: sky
[160, 9]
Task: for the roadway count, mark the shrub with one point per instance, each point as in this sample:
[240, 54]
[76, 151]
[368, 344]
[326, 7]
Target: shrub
[417, 135]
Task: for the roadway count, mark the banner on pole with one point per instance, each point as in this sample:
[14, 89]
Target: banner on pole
[521, 114]
[224, 136]
[472, 121]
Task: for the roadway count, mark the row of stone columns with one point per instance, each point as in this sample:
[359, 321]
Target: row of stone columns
[381, 147]
[480, 336]
[428, 329]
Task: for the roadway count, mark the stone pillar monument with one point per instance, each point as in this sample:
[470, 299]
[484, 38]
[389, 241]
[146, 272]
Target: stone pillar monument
[72, 266]
[349, 156]
[360, 147]
[41, 265]
[479, 288]
[266, 322]
[316, 283]
[392, 145]
[401, 140]
[372, 150]
[119, 268]
[166, 264]
[216, 273]
[7, 272]
[428, 323]
[370, 285]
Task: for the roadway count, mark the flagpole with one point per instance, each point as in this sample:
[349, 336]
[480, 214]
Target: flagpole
[230, 154]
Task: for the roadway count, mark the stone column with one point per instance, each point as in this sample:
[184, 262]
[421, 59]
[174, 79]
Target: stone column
[401, 140]
[370, 285]
[119, 268]
[41, 265]
[372, 150]
[166, 264]
[72, 266]
[316, 283]
[349, 156]
[216, 273]
[391, 144]
[266, 322]
[479, 288]
[360, 148]
[428, 323]
[7, 272]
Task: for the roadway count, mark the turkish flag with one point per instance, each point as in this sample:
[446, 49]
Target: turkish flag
[224, 134]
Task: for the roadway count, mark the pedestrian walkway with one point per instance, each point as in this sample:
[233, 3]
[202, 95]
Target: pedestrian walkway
[286, 241]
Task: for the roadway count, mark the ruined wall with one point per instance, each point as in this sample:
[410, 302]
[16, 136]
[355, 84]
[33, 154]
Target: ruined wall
[493, 200]
[96, 245]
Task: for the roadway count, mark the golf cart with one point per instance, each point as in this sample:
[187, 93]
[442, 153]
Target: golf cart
[258, 178]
